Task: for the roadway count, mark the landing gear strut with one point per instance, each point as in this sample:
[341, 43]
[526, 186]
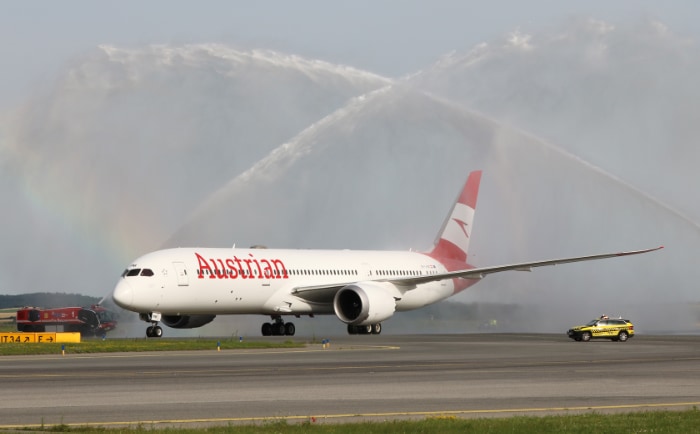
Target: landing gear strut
[370, 329]
[278, 328]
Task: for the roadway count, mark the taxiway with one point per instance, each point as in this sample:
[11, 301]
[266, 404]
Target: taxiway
[356, 378]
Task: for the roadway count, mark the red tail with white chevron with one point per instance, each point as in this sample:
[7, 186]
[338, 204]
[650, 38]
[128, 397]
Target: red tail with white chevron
[452, 245]
[453, 242]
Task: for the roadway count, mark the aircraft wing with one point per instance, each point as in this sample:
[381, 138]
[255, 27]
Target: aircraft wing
[481, 272]
[325, 293]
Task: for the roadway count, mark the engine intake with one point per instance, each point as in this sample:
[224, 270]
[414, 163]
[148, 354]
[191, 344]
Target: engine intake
[364, 304]
[187, 321]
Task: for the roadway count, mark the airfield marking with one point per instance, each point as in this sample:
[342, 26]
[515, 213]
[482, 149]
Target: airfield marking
[185, 353]
[363, 367]
[321, 417]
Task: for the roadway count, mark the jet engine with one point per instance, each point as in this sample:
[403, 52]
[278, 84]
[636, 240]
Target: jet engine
[364, 304]
[187, 321]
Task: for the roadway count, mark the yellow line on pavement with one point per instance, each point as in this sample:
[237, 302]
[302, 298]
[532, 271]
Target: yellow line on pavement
[321, 417]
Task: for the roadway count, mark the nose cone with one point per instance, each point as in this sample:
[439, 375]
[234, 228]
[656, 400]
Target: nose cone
[123, 294]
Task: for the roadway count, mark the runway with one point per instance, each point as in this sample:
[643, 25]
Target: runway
[356, 378]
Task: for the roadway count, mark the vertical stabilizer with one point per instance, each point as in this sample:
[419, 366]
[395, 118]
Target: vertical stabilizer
[453, 241]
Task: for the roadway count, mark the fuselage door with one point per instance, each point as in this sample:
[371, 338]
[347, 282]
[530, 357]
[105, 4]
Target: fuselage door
[181, 273]
[365, 271]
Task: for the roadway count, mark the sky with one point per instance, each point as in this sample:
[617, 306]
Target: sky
[37, 38]
[126, 127]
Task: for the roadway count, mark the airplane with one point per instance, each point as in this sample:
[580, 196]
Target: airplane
[189, 287]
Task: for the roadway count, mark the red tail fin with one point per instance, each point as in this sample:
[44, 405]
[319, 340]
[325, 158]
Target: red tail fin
[453, 241]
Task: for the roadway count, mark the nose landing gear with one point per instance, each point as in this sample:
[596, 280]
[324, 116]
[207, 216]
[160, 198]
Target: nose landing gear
[154, 330]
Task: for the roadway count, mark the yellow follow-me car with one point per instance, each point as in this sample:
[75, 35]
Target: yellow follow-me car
[618, 330]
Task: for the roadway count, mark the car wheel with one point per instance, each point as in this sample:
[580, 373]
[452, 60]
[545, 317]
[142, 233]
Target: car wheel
[622, 336]
[586, 336]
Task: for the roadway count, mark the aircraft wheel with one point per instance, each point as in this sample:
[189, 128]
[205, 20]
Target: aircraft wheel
[376, 328]
[352, 330]
[157, 332]
[279, 329]
[267, 329]
[289, 329]
[149, 332]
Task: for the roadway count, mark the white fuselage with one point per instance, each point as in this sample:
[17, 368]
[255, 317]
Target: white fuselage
[190, 281]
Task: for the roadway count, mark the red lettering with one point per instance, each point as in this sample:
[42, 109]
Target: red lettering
[240, 268]
[268, 269]
[257, 264]
[203, 265]
[250, 270]
[221, 272]
[280, 269]
[232, 268]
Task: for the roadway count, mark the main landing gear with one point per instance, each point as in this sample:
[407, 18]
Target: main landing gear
[371, 329]
[278, 328]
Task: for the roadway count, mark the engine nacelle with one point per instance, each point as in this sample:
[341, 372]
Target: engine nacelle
[186, 321]
[364, 303]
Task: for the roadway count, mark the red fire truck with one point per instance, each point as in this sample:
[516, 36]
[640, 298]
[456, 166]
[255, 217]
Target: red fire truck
[95, 320]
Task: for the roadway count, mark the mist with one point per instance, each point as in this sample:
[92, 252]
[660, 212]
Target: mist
[586, 134]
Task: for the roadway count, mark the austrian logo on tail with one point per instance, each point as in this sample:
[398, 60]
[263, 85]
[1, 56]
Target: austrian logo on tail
[453, 242]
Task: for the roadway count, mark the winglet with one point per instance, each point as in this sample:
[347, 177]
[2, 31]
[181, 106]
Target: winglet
[636, 252]
[453, 241]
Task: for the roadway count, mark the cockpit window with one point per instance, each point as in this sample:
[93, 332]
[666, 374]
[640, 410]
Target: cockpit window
[147, 272]
[133, 272]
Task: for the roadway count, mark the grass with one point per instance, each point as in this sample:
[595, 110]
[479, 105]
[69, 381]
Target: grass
[656, 422]
[140, 344]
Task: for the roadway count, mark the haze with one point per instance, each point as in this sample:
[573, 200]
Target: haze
[127, 129]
